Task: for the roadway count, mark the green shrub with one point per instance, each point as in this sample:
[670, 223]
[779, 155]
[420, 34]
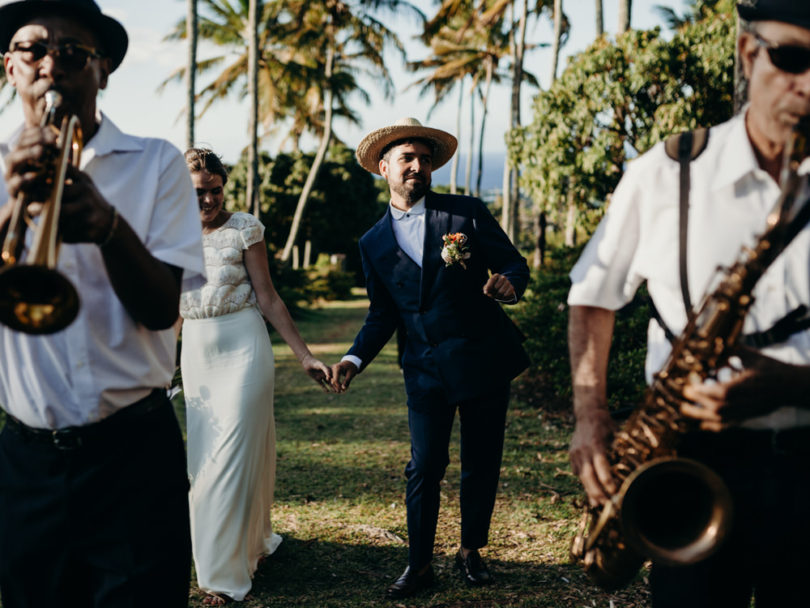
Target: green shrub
[330, 284]
[543, 317]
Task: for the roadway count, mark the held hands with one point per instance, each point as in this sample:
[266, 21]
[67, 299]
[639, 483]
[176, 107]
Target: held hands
[499, 288]
[318, 371]
[85, 216]
[588, 454]
[757, 388]
[342, 374]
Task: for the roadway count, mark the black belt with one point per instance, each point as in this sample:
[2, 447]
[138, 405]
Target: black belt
[74, 437]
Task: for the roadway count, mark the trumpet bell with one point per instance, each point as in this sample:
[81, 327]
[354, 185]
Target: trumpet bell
[36, 299]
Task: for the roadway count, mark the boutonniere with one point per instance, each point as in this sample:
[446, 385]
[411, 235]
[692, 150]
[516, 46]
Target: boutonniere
[455, 249]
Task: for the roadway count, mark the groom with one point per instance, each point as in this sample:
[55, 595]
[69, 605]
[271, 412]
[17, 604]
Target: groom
[427, 263]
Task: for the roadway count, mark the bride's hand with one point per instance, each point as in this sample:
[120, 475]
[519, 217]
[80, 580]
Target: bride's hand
[318, 371]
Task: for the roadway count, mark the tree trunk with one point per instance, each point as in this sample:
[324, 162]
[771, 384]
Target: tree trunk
[516, 87]
[571, 217]
[600, 23]
[191, 69]
[319, 158]
[539, 257]
[454, 165]
[506, 184]
[484, 99]
[555, 42]
[468, 160]
[625, 8]
[252, 194]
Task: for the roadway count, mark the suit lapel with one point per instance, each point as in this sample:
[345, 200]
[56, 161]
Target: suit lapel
[437, 223]
[388, 256]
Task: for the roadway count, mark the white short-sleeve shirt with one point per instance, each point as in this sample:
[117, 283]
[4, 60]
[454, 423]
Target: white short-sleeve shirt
[104, 361]
[637, 241]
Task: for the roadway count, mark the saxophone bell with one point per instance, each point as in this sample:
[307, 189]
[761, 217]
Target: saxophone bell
[675, 511]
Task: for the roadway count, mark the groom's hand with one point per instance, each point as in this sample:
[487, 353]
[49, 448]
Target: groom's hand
[342, 374]
[499, 288]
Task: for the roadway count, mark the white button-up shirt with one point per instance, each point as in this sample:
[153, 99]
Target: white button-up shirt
[637, 241]
[104, 361]
[409, 230]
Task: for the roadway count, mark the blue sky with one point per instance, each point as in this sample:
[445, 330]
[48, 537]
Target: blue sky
[133, 103]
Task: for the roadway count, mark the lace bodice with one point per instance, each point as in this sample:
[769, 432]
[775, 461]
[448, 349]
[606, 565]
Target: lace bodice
[228, 288]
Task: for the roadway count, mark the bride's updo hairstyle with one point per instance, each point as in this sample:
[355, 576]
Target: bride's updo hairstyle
[204, 159]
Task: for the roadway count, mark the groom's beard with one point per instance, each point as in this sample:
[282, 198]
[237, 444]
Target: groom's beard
[412, 187]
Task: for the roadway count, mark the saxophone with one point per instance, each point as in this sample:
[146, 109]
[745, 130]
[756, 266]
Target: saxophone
[674, 510]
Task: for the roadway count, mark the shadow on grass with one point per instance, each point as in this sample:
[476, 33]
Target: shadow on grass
[313, 573]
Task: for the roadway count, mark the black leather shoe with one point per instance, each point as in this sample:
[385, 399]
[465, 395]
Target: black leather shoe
[410, 583]
[473, 568]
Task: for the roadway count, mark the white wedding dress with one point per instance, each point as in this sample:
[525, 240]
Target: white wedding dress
[228, 376]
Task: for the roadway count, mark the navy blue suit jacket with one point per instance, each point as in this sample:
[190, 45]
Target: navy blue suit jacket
[457, 337]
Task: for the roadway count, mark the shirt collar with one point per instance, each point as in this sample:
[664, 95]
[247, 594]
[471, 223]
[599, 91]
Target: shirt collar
[106, 140]
[417, 209]
[109, 139]
[737, 157]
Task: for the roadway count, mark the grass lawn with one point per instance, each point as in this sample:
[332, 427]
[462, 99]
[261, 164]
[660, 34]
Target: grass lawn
[340, 495]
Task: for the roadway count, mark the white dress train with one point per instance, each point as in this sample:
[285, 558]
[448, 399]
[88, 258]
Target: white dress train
[228, 378]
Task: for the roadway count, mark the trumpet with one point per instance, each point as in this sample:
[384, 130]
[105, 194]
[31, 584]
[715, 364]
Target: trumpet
[35, 298]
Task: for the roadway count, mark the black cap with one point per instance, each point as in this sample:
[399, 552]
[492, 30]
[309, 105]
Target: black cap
[111, 34]
[796, 12]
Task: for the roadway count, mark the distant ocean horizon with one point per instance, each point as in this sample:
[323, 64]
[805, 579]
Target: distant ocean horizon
[491, 177]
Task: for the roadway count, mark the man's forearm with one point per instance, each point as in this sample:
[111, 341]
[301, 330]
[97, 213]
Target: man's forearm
[590, 331]
[148, 288]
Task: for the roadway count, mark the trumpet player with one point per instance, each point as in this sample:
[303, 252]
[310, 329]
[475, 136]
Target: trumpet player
[93, 485]
[753, 422]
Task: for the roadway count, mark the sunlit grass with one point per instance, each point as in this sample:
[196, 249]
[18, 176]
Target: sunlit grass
[340, 494]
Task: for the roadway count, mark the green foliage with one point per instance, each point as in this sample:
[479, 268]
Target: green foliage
[543, 317]
[329, 283]
[617, 99]
[344, 203]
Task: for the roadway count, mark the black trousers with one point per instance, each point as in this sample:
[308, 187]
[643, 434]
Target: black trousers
[767, 555]
[98, 520]
[482, 435]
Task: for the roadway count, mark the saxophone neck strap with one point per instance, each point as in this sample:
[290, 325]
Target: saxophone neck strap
[684, 148]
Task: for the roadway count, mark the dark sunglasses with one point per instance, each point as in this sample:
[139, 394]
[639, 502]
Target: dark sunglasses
[786, 57]
[71, 56]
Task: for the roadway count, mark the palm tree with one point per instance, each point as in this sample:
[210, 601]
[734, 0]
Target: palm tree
[465, 46]
[599, 15]
[252, 195]
[625, 8]
[511, 193]
[191, 68]
[346, 39]
[226, 24]
[492, 14]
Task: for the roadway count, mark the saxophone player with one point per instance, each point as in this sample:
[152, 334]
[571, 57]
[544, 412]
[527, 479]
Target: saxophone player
[753, 423]
[93, 484]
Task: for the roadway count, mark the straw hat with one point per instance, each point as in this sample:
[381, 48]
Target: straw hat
[111, 34]
[369, 151]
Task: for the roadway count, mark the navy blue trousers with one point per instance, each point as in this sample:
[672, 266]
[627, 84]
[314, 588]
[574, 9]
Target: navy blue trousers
[766, 555]
[101, 525]
[482, 433]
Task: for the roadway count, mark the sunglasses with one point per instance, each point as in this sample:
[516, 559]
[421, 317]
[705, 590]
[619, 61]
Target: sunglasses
[71, 56]
[789, 58]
